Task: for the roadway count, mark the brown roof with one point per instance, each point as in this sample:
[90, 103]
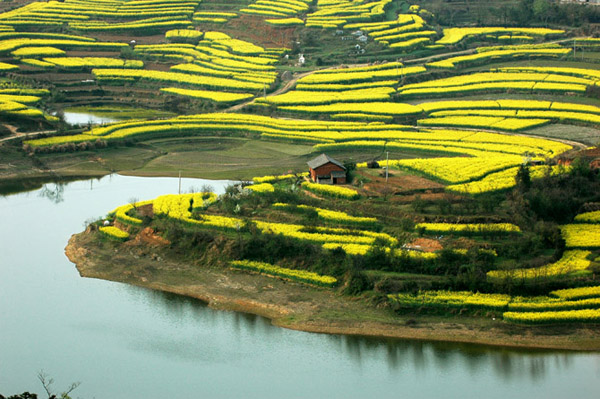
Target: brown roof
[322, 160]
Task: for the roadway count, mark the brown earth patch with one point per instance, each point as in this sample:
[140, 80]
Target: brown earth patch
[425, 245]
[158, 66]
[149, 237]
[398, 182]
[256, 30]
[591, 152]
[425, 196]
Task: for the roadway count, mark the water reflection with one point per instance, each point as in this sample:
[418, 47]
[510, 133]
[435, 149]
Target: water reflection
[54, 192]
[507, 363]
[180, 307]
[15, 186]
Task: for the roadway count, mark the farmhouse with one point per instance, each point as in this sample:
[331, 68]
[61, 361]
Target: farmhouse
[326, 170]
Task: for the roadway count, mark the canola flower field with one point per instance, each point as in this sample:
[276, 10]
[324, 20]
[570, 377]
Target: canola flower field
[571, 263]
[468, 229]
[475, 162]
[189, 209]
[331, 191]
[468, 145]
[19, 102]
[114, 233]
[180, 207]
[212, 66]
[540, 310]
[581, 235]
[574, 305]
[572, 294]
[328, 215]
[580, 240]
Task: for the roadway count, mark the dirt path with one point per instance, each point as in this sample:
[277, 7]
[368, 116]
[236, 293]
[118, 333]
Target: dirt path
[12, 129]
[281, 90]
[17, 135]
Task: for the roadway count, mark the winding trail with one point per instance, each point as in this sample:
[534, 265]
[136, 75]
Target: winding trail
[281, 90]
[17, 135]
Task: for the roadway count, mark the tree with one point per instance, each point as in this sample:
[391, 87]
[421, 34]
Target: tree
[206, 189]
[47, 384]
[133, 201]
[24, 395]
[418, 204]
[523, 178]
[350, 168]
[541, 10]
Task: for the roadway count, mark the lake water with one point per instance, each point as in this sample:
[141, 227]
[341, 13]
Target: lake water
[82, 118]
[128, 342]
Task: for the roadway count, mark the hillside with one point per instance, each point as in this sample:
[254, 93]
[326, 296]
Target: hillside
[482, 117]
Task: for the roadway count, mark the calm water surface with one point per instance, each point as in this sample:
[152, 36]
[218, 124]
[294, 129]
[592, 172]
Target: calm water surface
[82, 118]
[128, 342]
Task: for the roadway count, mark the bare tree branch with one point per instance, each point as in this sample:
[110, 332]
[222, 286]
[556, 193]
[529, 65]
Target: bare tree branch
[71, 389]
[46, 382]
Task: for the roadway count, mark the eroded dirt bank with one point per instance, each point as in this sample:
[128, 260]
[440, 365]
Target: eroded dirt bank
[300, 307]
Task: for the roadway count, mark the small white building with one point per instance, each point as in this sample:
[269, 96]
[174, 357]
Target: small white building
[301, 59]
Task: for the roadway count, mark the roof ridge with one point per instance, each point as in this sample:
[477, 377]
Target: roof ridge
[322, 160]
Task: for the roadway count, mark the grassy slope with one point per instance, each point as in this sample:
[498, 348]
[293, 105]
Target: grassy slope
[219, 157]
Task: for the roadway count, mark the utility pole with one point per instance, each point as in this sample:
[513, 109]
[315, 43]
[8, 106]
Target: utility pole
[387, 165]
[179, 182]
[265, 90]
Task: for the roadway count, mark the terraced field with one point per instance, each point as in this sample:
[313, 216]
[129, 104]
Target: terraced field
[258, 87]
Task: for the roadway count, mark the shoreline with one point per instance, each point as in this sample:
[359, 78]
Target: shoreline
[299, 307]
[15, 184]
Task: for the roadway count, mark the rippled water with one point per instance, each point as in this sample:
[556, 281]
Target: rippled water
[128, 342]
